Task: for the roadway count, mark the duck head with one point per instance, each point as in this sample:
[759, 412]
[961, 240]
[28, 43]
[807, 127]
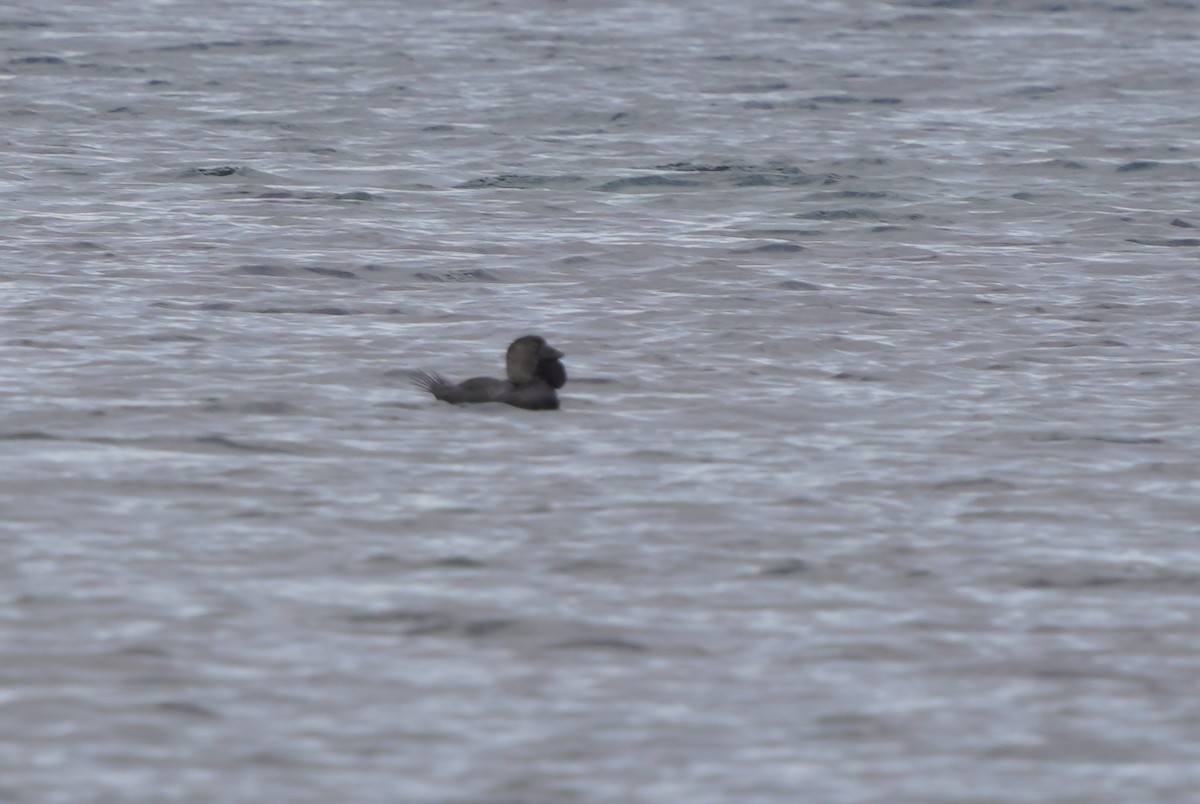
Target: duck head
[530, 357]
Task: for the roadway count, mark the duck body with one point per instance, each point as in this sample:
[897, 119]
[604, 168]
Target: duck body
[535, 373]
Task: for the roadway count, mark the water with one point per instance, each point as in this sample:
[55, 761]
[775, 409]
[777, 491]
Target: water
[875, 479]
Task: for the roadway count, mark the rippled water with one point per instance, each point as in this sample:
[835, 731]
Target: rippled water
[875, 479]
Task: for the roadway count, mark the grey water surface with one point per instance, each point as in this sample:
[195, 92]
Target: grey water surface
[875, 479]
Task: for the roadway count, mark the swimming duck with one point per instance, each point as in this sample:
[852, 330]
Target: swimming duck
[535, 372]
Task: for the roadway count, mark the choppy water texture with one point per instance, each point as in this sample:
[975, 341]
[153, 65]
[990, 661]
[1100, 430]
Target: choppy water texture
[875, 479]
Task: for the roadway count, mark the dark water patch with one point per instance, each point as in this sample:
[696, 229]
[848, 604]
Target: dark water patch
[796, 284]
[28, 435]
[175, 337]
[1080, 583]
[1013, 515]
[859, 214]
[269, 407]
[38, 60]
[590, 566]
[418, 622]
[228, 174]
[855, 377]
[775, 248]
[486, 627]
[263, 269]
[1075, 580]
[152, 651]
[779, 234]
[236, 446]
[600, 643]
[224, 44]
[771, 174]
[194, 46]
[1169, 242]
[516, 181]
[770, 86]
[384, 561]
[695, 168]
[89, 249]
[846, 100]
[33, 343]
[826, 195]
[753, 180]
[1036, 90]
[1067, 164]
[458, 562]
[768, 106]
[302, 311]
[1107, 439]
[853, 727]
[120, 110]
[785, 568]
[941, 4]
[634, 183]
[186, 708]
[220, 172]
[970, 484]
[886, 228]
[1067, 343]
[337, 273]
[1141, 164]
[287, 195]
[1182, 224]
[408, 621]
[270, 759]
[743, 57]
[22, 25]
[459, 275]
[1053, 436]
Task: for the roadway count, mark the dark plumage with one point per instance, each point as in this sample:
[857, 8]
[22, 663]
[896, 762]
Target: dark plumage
[535, 372]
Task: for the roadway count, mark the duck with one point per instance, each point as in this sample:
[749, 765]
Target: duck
[535, 373]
